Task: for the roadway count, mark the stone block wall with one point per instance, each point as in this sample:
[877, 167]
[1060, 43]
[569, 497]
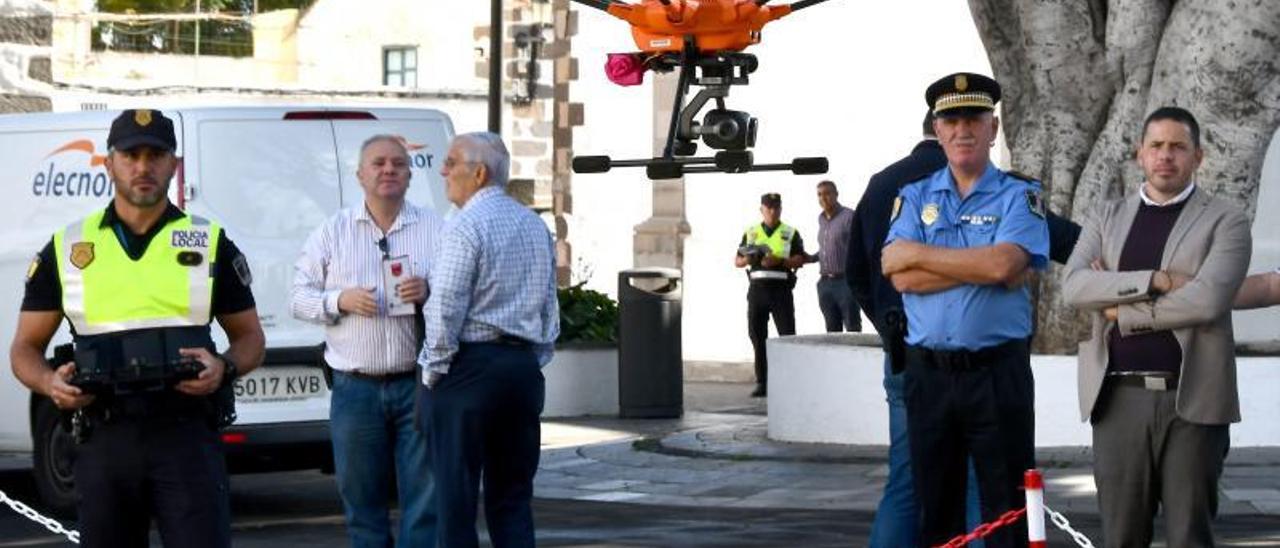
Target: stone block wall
[26, 33]
[539, 120]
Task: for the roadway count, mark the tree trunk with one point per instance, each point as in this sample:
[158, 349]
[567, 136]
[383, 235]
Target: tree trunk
[1080, 76]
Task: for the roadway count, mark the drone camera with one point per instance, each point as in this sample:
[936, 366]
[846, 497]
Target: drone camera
[728, 129]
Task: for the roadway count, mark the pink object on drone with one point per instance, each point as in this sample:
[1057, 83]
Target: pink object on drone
[625, 69]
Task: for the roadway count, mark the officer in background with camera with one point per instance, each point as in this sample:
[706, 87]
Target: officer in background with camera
[139, 282]
[771, 252]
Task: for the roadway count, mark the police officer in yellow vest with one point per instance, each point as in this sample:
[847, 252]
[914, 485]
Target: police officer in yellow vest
[771, 252]
[139, 283]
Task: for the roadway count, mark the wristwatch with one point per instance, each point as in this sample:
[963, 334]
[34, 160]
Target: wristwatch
[229, 370]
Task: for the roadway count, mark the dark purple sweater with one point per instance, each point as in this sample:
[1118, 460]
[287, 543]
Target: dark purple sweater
[1143, 249]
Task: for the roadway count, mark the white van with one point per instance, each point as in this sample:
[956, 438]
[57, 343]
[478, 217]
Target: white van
[269, 175]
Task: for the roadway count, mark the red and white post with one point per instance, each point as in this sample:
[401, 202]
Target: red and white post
[1034, 483]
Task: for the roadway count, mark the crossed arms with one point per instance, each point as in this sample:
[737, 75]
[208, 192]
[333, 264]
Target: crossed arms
[914, 267]
[1147, 300]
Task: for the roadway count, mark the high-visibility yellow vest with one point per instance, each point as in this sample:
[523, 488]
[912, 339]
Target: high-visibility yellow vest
[104, 291]
[779, 243]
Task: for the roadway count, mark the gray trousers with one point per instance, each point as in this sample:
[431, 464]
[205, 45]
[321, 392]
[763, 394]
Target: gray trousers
[1146, 458]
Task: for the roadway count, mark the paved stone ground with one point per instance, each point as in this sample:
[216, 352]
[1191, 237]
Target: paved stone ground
[720, 456]
[710, 478]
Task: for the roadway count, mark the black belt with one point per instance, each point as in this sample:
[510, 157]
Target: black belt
[386, 377]
[512, 340]
[1158, 382]
[964, 360]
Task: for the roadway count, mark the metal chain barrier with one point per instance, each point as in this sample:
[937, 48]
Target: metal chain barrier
[985, 530]
[53, 525]
[1061, 522]
[1034, 511]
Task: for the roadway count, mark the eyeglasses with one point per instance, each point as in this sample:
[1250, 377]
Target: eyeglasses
[382, 246]
[450, 163]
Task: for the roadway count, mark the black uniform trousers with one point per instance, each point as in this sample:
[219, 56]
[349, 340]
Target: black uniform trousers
[166, 466]
[482, 422]
[962, 404]
[765, 297]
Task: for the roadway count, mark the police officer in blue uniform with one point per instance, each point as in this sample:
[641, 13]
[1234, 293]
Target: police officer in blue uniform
[898, 512]
[959, 249]
[139, 282]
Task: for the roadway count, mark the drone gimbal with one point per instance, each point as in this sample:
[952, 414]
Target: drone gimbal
[704, 39]
[731, 132]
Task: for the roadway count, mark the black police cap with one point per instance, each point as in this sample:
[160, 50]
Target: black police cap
[962, 94]
[771, 199]
[137, 127]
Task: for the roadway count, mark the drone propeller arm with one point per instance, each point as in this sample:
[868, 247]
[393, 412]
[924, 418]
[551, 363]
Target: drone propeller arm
[602, 5]
[802, 4]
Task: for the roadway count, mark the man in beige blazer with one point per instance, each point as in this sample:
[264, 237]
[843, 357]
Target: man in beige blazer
[1158, 271]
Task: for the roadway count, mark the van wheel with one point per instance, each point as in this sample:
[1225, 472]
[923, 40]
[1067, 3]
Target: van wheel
[55, 457]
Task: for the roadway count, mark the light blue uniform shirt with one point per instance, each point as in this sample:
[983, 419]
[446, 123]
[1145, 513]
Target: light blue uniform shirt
[1001, 208]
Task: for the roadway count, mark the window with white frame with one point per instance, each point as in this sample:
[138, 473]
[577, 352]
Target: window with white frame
[400, 66]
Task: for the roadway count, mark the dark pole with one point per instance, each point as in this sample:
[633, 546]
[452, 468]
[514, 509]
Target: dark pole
[495, 68]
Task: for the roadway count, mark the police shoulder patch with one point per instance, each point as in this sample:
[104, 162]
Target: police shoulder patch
[241, 266]
[1035, 203]
[897, 208]
[33, 267]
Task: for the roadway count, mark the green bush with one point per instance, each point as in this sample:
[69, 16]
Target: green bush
[587, 315]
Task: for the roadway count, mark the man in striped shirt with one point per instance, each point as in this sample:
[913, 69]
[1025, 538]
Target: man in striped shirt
[491, 322]
[340, 280]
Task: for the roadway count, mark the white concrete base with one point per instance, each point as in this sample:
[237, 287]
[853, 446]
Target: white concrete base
[828, 389]
[582, 381]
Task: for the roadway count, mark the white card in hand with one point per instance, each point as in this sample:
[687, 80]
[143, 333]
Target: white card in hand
[394, 271]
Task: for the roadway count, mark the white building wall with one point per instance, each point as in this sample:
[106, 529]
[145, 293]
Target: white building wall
[1264, 324]
[340, 42]
[132, 70]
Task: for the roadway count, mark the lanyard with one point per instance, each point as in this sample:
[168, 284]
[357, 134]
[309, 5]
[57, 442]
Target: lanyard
[124, 242]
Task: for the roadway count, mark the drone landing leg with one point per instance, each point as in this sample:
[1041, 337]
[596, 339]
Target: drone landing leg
[682, 87]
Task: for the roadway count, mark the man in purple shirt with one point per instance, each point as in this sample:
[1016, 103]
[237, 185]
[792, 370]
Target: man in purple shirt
[835, 299]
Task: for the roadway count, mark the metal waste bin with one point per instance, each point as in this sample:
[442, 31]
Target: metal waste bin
[650, 362]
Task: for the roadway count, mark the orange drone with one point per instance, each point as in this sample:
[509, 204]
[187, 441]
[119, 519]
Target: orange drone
[704, 39]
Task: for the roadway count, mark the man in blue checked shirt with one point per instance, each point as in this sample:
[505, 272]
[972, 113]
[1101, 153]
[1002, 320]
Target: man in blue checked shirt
[491, 324]
[961, 242]
[340, 280]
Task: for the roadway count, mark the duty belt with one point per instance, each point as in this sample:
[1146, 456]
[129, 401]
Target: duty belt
[964, 360]
[151, 407]
[768, 275]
